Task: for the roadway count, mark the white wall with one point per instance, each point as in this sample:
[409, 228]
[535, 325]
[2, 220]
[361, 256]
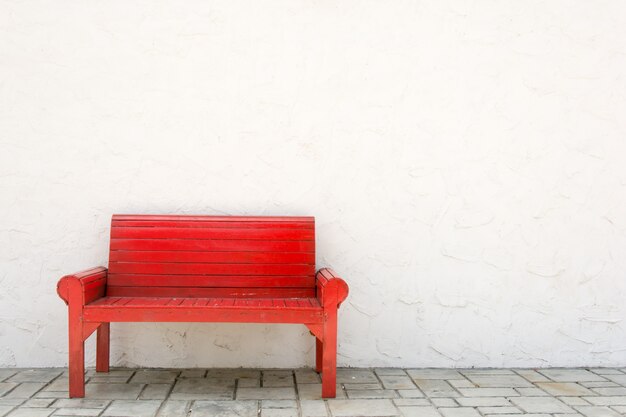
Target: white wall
[466, 162]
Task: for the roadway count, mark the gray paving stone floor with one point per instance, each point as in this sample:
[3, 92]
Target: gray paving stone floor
[594, 392]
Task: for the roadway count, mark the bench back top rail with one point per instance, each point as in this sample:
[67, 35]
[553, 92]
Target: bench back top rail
[211, 256]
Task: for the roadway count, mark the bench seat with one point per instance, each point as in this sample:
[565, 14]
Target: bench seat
[237, 310]
[230, 269]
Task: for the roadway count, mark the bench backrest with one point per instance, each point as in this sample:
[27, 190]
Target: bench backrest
[211, 256]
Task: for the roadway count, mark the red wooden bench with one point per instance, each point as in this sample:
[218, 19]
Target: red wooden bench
[204, 269]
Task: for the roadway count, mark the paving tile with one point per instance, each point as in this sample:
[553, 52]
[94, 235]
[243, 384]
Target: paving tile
[25, 390]
[499, 410]
[6, 387]
[362, 408]
[59, 385]
[444, 402]
[113, 391]
[389, 371]
[138, 408]
[573, 400]
[233, 373]
[7, 373]
[605, 371]
[619, 379]
[621, 400]
[105, 379]
[434, 374]
[31, 412]
[461, 383]
[4, 409]
[276, 381]
[82, 412]
[153, 376]
[436, 388]
[307, 376]
[499, 381]
[312, 408]
[279, 412]
[427, 411]
[203, 389]
[224, 409]
[192, 373]
[571, 389]
[279, 404]
[531, 375]
[532, 392]
[408, 402]
[486, 371]
[459, 412]
[248, 382]
[364, 386]
[594, 411]
[38, 402]
[80, 403]
[571, 375]
[599, 384]
[155, 392]
[410, 393]
[11, 401]
[610, 392]
[173, 408]
[396, 382]
[355, 376]
[270, 393]
[483, 401]
[36, 375]
[541, 405]
[314, 392]
[371, 393]
[527, 415]
[52, 394]
[488, 392]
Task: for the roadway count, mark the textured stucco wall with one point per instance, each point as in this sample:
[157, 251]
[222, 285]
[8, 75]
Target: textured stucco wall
[465, 160]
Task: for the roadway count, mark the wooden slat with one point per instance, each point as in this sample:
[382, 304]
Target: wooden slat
[138, 280]
[138, 291]
[249, 233]
[214, 257]
[207, 302]
[210, 269]
[213, 245]
[213, 223]
[185, 218]
[193, 314]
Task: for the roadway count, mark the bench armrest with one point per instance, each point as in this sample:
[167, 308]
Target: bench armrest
[331, 289]
[83, 287]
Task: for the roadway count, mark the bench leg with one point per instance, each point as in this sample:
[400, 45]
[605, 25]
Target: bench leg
[77, 359]
[329, 356]
[319, 349]
[102, 347]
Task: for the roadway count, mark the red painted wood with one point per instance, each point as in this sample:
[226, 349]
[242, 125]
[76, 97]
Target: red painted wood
[210, 292]
[187, 218]
[261, 224]
[228, 269]
[307, 258]
[205, 269]
[247, 233]
[319, 357]
[216, 302]
[200, 281]
[102, 348]
[219, 313]
[225, 245]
